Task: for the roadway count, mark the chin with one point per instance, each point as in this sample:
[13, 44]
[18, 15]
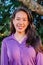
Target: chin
[20, 31]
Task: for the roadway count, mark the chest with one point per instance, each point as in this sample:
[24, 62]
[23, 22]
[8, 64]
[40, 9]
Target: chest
[18, 52]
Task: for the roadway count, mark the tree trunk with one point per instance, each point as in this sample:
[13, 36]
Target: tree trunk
[33, 5]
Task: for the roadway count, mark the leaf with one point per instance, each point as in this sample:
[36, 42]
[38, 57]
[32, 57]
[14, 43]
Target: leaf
[1, 27]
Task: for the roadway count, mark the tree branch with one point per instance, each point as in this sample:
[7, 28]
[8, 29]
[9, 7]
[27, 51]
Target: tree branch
[33, 5]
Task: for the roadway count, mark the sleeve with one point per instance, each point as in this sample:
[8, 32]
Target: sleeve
[39, 59]
[4, 57]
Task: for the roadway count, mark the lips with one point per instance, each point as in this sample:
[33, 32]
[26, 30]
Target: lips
[20, 27]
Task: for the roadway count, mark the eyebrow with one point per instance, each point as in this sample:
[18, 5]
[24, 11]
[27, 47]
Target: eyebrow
[23, 17]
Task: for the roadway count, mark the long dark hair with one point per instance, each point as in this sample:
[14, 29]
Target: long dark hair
[38, 44]
[30, 31]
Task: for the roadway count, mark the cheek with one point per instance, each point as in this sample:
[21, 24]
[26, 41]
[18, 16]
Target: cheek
[14, 23]
[26, 24]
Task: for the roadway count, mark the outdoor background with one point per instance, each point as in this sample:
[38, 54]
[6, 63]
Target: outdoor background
[6, 9]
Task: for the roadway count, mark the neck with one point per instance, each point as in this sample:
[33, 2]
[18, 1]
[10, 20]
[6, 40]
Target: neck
[19, 34]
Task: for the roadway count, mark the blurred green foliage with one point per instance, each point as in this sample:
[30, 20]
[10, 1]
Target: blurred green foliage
[6, 9]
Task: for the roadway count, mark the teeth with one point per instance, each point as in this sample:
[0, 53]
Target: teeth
[20, 27]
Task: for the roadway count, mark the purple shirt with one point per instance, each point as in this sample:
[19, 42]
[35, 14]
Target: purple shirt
[39, 59]
[14, 53]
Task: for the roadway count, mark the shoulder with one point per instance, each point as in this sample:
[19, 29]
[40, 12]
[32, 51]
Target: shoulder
[6, 39]
[39, 58]
[40, 55]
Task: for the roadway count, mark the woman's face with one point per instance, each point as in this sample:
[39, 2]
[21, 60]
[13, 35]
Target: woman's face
[20, 21]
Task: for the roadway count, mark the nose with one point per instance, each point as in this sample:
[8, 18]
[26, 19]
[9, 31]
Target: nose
[21, 21]
[20, 24]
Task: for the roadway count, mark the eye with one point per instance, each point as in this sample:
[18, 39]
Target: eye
[17, 19]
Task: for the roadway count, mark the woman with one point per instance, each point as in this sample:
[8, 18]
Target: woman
[18, 49]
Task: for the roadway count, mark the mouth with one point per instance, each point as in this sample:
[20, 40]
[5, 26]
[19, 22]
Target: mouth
[20, 26]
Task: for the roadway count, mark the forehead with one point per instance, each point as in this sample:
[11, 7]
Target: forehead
[21, 14]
